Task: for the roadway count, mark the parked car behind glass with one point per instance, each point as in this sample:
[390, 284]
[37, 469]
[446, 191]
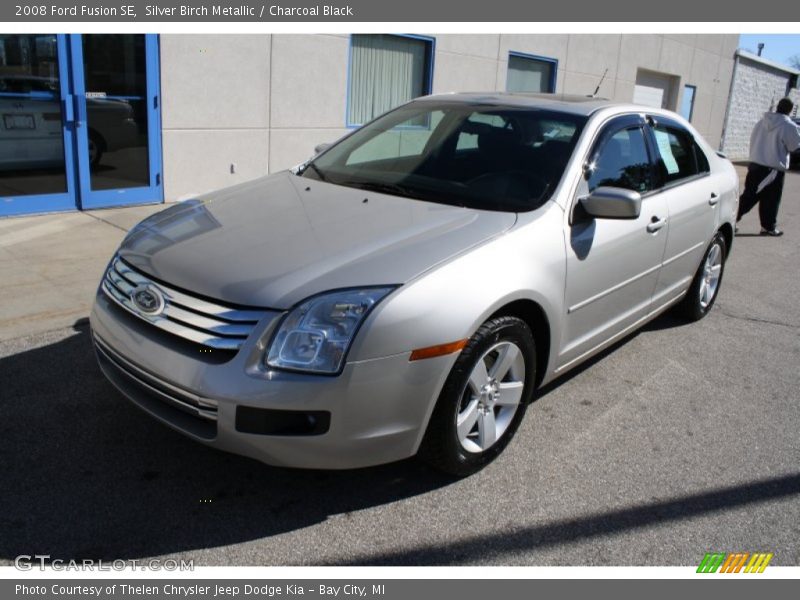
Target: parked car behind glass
[407, 290]
[31, 124]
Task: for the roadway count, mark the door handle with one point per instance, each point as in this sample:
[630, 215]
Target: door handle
[80, 110]
[67, 106]
[713, 199]
[655, 224]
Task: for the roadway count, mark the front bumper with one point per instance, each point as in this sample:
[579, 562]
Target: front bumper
[377, 409]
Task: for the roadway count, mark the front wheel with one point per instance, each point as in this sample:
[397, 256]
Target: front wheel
[484, 398]
[705, 286]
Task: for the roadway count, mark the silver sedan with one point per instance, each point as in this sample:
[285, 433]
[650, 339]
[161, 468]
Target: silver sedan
[408, 289]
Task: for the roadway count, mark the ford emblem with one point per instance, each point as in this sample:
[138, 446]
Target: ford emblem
[147, 299]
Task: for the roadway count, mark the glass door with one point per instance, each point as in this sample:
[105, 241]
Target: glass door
[117, 118]
[79, 122]
[37, 163]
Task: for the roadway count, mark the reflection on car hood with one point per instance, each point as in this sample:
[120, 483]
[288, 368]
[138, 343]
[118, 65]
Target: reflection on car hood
[274, 241]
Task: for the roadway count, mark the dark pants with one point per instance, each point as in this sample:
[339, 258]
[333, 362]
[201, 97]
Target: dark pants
[768, 199]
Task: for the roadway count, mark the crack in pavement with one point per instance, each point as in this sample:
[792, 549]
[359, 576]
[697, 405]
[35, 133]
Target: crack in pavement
[102, 220]
[757, 320]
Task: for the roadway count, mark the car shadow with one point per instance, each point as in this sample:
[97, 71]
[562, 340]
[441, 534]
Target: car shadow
[598, 525]
[667, 320]
[86, 474]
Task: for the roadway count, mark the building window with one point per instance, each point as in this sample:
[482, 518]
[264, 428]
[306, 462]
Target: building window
[687, 102]
[531, 73]
[386, 71]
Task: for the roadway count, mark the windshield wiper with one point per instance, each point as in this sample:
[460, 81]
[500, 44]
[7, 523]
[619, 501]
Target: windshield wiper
[384, 188]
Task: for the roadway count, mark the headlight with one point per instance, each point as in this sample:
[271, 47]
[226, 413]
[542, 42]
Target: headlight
[316, 335]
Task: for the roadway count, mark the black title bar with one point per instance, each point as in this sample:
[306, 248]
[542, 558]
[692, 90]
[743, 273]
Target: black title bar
[495, 11]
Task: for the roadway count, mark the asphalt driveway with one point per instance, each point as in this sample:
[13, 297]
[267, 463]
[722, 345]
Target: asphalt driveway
[682, 439]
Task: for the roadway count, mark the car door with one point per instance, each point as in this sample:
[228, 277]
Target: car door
[692, 196]
[612, 264]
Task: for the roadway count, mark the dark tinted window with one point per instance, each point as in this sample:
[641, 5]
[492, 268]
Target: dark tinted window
[622, 162]
[702, 160]
[114, 64]
[679, 156]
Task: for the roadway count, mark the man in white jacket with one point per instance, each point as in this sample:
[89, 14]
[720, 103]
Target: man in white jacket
[774, 137]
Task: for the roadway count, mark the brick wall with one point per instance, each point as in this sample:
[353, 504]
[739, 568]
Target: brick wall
[756, 89]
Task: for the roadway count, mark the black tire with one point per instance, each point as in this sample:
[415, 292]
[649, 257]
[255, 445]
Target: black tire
[441, 447]
[692, 307]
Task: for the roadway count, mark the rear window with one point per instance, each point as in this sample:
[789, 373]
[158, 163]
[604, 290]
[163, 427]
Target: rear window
[679, 156]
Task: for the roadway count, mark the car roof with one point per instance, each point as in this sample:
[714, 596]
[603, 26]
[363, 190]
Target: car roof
[571, 103]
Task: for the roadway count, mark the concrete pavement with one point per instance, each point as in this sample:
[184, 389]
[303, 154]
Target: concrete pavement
[50, 265]
[681, 440]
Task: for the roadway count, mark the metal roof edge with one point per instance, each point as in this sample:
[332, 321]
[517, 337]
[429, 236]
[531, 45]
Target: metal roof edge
[755, 58]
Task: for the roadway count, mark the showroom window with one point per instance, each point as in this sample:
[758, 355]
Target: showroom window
[528, 73]
[687, 102]
[386, 71]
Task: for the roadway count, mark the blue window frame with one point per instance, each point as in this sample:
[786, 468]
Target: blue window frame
[385, 71]
[531, 73]
[52, 126]
[687, 101]
[17, 198]
[145, 107]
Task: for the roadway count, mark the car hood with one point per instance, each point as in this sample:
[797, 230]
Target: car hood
[274, 241]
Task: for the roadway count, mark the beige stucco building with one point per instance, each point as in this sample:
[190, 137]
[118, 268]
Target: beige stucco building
[239, 106]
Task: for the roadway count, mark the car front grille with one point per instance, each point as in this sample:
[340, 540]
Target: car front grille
[205, 322]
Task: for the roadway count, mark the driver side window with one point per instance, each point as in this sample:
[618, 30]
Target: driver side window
[622, 162]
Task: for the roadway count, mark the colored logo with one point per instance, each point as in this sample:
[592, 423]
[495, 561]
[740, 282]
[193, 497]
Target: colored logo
[147, 299]
[734, 562]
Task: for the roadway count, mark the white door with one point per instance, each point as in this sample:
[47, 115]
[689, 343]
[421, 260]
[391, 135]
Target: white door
[613, 264]
[692, 198]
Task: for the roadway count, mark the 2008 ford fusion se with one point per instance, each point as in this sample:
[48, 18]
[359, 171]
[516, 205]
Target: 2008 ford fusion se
[407, 289]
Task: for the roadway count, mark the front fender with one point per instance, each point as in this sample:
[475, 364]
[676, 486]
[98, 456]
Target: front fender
[450, 302]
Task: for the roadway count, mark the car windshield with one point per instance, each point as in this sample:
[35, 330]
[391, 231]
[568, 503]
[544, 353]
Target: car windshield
[475, 155]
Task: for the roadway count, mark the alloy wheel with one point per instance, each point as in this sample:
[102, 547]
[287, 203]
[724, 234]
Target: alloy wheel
[491, 397]
[712, 269]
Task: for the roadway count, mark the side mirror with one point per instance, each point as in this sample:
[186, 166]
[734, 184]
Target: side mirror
[612, 203]
[320, 148]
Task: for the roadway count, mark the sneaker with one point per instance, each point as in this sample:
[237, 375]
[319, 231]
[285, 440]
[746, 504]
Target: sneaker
[773, 232]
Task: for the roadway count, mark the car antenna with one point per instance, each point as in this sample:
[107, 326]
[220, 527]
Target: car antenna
[597, 89]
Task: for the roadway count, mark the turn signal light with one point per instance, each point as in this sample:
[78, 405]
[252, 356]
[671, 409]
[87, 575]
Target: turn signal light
[440, 350]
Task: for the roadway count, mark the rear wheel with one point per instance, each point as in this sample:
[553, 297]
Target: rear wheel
[705, 286]
[484, 398]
